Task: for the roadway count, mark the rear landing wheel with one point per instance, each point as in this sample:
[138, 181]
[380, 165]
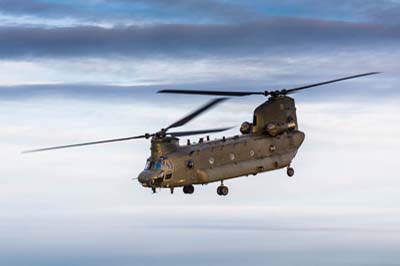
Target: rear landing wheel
[222, 190]
[290, 171]
[188, 189]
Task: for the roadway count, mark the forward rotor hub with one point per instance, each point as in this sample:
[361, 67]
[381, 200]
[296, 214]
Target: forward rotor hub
[161, 134]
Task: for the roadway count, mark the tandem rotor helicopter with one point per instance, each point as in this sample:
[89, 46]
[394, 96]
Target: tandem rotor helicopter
[267, 143]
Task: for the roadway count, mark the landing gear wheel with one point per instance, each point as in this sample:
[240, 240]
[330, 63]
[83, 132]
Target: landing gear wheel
[222, 190]
[219, 190]
[290, 171]
[188, 189]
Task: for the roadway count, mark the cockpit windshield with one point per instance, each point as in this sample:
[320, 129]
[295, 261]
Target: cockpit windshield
[154, 165]
[158, 165]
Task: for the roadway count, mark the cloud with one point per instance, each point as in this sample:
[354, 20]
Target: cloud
[387, 14]
[122, 11]
[127, 78]
[268, 36]
[33, 7]
[205, 10]
[191, 11]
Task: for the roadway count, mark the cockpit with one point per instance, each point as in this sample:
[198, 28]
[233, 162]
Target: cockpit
[154, 165]
[153, 173]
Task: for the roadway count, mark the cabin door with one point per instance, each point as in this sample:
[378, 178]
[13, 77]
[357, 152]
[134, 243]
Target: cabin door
[169, 167]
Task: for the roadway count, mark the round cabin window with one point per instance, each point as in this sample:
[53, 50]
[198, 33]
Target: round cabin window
[190, 164]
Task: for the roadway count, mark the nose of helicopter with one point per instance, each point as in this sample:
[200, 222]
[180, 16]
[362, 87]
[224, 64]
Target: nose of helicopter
[147, 178]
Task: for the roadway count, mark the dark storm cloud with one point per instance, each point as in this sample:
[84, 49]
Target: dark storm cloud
[114, 10]
[280, 35]
[32, 7]
[387, 14]
[383, 11]
[205, 8]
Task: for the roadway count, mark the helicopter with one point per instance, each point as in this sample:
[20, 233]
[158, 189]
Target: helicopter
[269, 142]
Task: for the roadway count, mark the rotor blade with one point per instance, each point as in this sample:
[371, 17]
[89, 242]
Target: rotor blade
[215, 93]
[197, 132]
[87, 143]
[192, 115]
[327, 82]
[266, 93]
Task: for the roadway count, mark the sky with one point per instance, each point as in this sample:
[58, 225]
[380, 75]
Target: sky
[77, 71]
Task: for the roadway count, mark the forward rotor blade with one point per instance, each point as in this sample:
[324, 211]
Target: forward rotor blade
[215, 93]
[88, 143]
[197, 132]
[192, 115]
[327, 82]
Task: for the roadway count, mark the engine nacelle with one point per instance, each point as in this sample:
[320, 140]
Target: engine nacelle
[245, 128]
[274, 129]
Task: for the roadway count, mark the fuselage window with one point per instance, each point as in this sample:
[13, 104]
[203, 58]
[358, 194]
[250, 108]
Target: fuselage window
[190, 164]
[272, 148]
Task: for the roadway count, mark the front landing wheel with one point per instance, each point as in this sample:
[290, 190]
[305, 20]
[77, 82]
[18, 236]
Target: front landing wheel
[188, 189]
[290, 171]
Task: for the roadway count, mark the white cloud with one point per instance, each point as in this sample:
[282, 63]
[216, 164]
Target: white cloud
[262, 72]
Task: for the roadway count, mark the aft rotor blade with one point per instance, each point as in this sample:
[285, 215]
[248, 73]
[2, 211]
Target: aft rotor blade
[192, 115]
[265, 93]
[197, 132]
[214, 93]
[88, 143]
[327, 82]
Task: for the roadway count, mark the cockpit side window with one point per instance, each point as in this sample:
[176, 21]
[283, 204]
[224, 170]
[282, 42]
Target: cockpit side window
[148, 165]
